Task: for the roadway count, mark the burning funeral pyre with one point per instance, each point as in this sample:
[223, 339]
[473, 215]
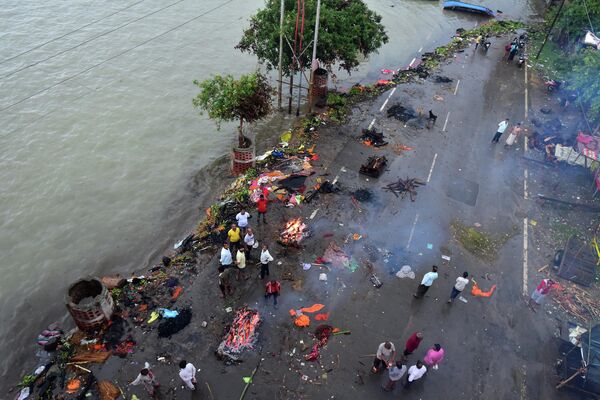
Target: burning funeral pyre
[294, 231]
[241, 336]
[371, 137]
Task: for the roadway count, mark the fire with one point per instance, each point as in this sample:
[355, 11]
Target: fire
[241, 335]
[293, 232]
[368, 142]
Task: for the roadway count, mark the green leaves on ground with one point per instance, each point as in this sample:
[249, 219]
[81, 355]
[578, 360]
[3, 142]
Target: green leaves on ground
[348, 32]
[227, 99]
[479, 243]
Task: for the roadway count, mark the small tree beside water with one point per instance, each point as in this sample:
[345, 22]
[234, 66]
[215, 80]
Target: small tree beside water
[225, 99]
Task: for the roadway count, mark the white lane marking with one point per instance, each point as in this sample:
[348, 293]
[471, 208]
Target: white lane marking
[335, 180]
[526, 92]
[384, 104]
[411, 63]
[432, 166]
[372, 123]
[526, 176]
[412, 231]
[456, 88]
[446, 122]
[314, 213]
[525, 241]
[392, 93]
[428, 36]
[420, 50]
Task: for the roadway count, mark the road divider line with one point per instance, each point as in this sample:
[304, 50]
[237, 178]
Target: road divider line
[432, 166]
[456, 88]
[446, 122]
[525, 255]
[412, 231]
[526, 92]
[412, 62]
[420, 49]
[384, 104]
[372, 123]
[392, 93]
[428, 36]
[526, 176]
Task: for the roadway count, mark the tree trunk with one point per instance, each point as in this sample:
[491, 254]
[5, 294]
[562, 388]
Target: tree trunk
[241, 138]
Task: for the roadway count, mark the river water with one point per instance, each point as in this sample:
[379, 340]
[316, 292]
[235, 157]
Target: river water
[103, 160]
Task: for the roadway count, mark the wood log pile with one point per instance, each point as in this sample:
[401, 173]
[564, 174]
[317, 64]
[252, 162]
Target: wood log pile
[402, 187]
[374, 166]
[577, 301]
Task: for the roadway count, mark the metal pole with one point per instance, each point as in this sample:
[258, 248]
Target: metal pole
[280, 88]
[300, 65]
[314, 58]
[550, 29]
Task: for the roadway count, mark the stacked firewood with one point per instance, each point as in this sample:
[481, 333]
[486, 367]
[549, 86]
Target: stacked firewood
[402, 187]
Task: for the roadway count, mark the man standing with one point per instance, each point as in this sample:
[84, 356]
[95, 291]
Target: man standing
[386, 352]
[235, 237]
[226, 258]
[242, 219]
[412, 343]
[265, 259]
[514, 134]
[394, 375]
[426, 282]
[187, 373]
[477, 41]
[249, 243]
[261, 205]
[541, 291]
[415, 372]
[272, 288]
[501, 129]
[240, 263]
[146, 377]
[459, 286]
[225, 282]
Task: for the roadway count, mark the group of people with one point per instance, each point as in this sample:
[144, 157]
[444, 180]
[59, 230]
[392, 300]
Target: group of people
[386, 358]
[147, 378]
[515, 132]
[241, 241]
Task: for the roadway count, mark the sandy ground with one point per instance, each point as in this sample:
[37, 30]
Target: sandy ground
[495, 347]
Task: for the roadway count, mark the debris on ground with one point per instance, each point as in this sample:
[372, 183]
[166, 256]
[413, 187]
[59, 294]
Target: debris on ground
[371, 137]
[363, 195]
[374, 166]
[401, 113]
[171, 326]
[442, 79]
[402, 187]
[576, 301]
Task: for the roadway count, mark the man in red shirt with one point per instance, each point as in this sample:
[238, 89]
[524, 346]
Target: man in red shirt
[262, 208]
[541, 291]
[412, 343]
[272, 288]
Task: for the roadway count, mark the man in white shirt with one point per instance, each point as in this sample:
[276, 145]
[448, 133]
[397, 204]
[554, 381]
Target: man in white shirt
[386, 352]
[459, 286]
[265, 259]
[242, 220]
[395, 373]
[426, 282]
[187, 373]
[501, 129]
[415, 372]
[226, 257]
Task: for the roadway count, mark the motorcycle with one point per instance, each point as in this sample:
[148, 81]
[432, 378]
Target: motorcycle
[521, 60]
[486, 46]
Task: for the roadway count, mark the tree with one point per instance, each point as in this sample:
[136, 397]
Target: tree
[586, 82]
[226, 99]
[349, 31]
[576, 17]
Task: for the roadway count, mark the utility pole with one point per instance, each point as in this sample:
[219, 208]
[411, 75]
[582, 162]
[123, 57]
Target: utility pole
[550, 29]
[314, 58]
[280, 87]
[299, 62]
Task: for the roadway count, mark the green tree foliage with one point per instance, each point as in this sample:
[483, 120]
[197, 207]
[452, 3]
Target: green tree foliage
[227, 99]
[574, 20]
[586, 82]
[348, 32]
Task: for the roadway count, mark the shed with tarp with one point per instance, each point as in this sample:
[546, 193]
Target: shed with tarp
[579, 367]
[579, 262]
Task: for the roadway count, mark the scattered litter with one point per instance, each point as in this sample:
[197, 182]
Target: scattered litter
[375, 281]
[371, 137]
[322, 317]
[229, 309]
[401, 113]
[323, 276]
[447, 258]
[463, 299]
[343, 169]
[204, 324]
[171, 326]
[363, 195]
[437, 97]
[166, 313]
[405, 272]
[430, 246]
[387, 71]
[442, 79]
[153, 316]
[306, 266]
[533, 222]
[356, 236]
[247, 379]
[475, 291]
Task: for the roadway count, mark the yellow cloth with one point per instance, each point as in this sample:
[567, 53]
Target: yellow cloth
[240, 257]
[153, 317]
[234, 235]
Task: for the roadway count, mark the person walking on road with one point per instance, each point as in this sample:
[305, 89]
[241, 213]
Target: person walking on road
[265, 259]
[187, 373]
[413, 343]
[395, 373]
[478, 41]
[386, 353]
[459, 286]
[541, 291]
[261, 205]
[501, 129]
[426, 282]
[146, 377]
[514, 134]
[415, 372]
[272, 289]
[226, 259]
[434, 356]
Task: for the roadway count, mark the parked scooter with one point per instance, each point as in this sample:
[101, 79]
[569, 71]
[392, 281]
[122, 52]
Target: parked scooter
[521, 59]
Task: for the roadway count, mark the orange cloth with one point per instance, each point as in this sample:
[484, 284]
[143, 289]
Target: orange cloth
[313, 308]
[302, 321]
[475, 291]
[322, 317]
[73, 385]
[178, 290]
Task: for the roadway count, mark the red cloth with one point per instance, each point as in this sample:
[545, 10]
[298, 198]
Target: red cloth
[262, 205]
[545, 286]
[271, 287]
[413, 342]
